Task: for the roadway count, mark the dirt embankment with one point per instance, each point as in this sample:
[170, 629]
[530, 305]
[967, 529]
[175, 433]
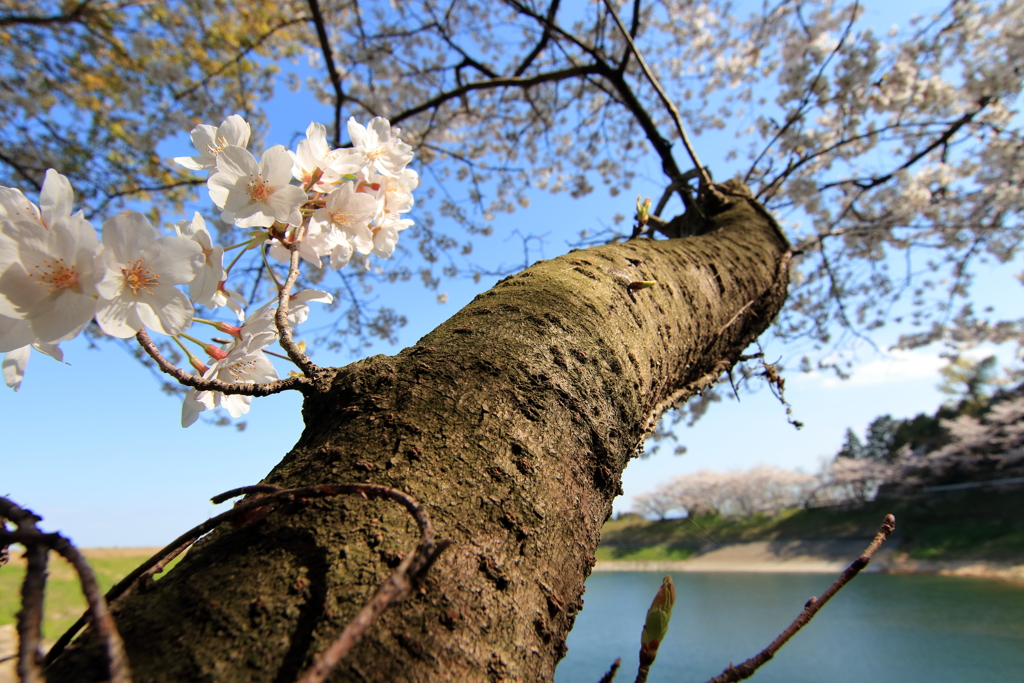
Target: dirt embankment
[827, 557]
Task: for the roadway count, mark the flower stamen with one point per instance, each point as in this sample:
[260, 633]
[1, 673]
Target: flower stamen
[138, 276]
[259, 189]
[56, 275]
[342, 218]
[216, 146]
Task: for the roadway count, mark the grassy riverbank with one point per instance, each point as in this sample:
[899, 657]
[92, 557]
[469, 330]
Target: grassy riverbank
[967, 525]
[978, 524]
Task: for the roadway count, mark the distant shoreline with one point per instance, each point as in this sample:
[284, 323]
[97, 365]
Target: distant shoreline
[816, 557]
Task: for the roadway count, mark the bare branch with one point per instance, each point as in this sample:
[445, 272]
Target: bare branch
[332, 70]
[669, 104]
[494, 83]
[542, 43]
[747, 668]
[609, 675]
[190, 380]
[309, 368]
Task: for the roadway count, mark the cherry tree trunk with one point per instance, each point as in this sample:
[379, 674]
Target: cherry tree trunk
[512, 423]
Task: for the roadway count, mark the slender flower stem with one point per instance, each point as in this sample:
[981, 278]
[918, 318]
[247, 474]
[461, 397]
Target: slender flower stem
[237, 256]
[192, 339]
[266, 262]
[177, 341]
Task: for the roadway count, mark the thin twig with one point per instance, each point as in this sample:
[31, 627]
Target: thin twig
[610, 674]
[311, 370]
[332, 70]
[724, 327]
[676, 117]
[196, 382]
[747, 668]
[30, 618]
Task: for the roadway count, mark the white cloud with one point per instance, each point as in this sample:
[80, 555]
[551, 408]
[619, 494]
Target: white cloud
[896, 366]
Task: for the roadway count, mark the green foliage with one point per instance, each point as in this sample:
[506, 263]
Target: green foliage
[971, 383]
[852, 447]
[923, 433]
[982, 524]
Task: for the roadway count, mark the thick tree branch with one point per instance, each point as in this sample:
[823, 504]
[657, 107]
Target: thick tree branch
[398, 584]
[493, 84]
[332, 70]
[666, 100]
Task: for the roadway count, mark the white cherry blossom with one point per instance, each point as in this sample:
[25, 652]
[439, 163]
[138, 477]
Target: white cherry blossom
[256, 194]
[343, 225]
[55, 202]
[310, 247]
[298, 304]
[245, 363]
[385, 235]
[49, 276]
[141, 271]
[314, 154]
[210, 141]
[379, 146]
[203, 289]
[16, 360]
[230, 298]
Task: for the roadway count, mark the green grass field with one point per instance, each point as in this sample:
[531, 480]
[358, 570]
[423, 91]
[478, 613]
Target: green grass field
[64, 600]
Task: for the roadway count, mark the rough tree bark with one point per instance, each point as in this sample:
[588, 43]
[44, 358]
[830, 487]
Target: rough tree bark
[512, 422]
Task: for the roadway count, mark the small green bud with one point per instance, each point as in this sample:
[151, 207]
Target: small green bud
[643, 210]
[658, 617]
[641, 284]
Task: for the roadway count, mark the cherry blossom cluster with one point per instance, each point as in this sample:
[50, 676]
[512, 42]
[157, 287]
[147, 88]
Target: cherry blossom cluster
[57, 275]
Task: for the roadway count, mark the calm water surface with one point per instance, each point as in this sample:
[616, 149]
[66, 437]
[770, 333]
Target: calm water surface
[879, 629]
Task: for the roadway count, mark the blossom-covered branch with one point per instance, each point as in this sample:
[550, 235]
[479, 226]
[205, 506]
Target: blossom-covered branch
[56, 276]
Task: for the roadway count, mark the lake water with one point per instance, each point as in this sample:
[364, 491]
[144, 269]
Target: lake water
[879, 629]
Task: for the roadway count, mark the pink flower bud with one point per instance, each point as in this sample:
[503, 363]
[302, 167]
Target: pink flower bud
[215, 352]
[235, 332]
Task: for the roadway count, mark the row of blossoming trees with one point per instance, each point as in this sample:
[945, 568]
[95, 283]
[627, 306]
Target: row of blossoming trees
[902, 457]
[57, 276]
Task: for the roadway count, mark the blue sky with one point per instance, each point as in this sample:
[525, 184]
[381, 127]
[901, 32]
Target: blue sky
[97, 450]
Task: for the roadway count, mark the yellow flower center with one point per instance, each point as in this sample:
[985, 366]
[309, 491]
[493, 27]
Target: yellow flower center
[259, 189]
[56, 275]
[138, 277]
